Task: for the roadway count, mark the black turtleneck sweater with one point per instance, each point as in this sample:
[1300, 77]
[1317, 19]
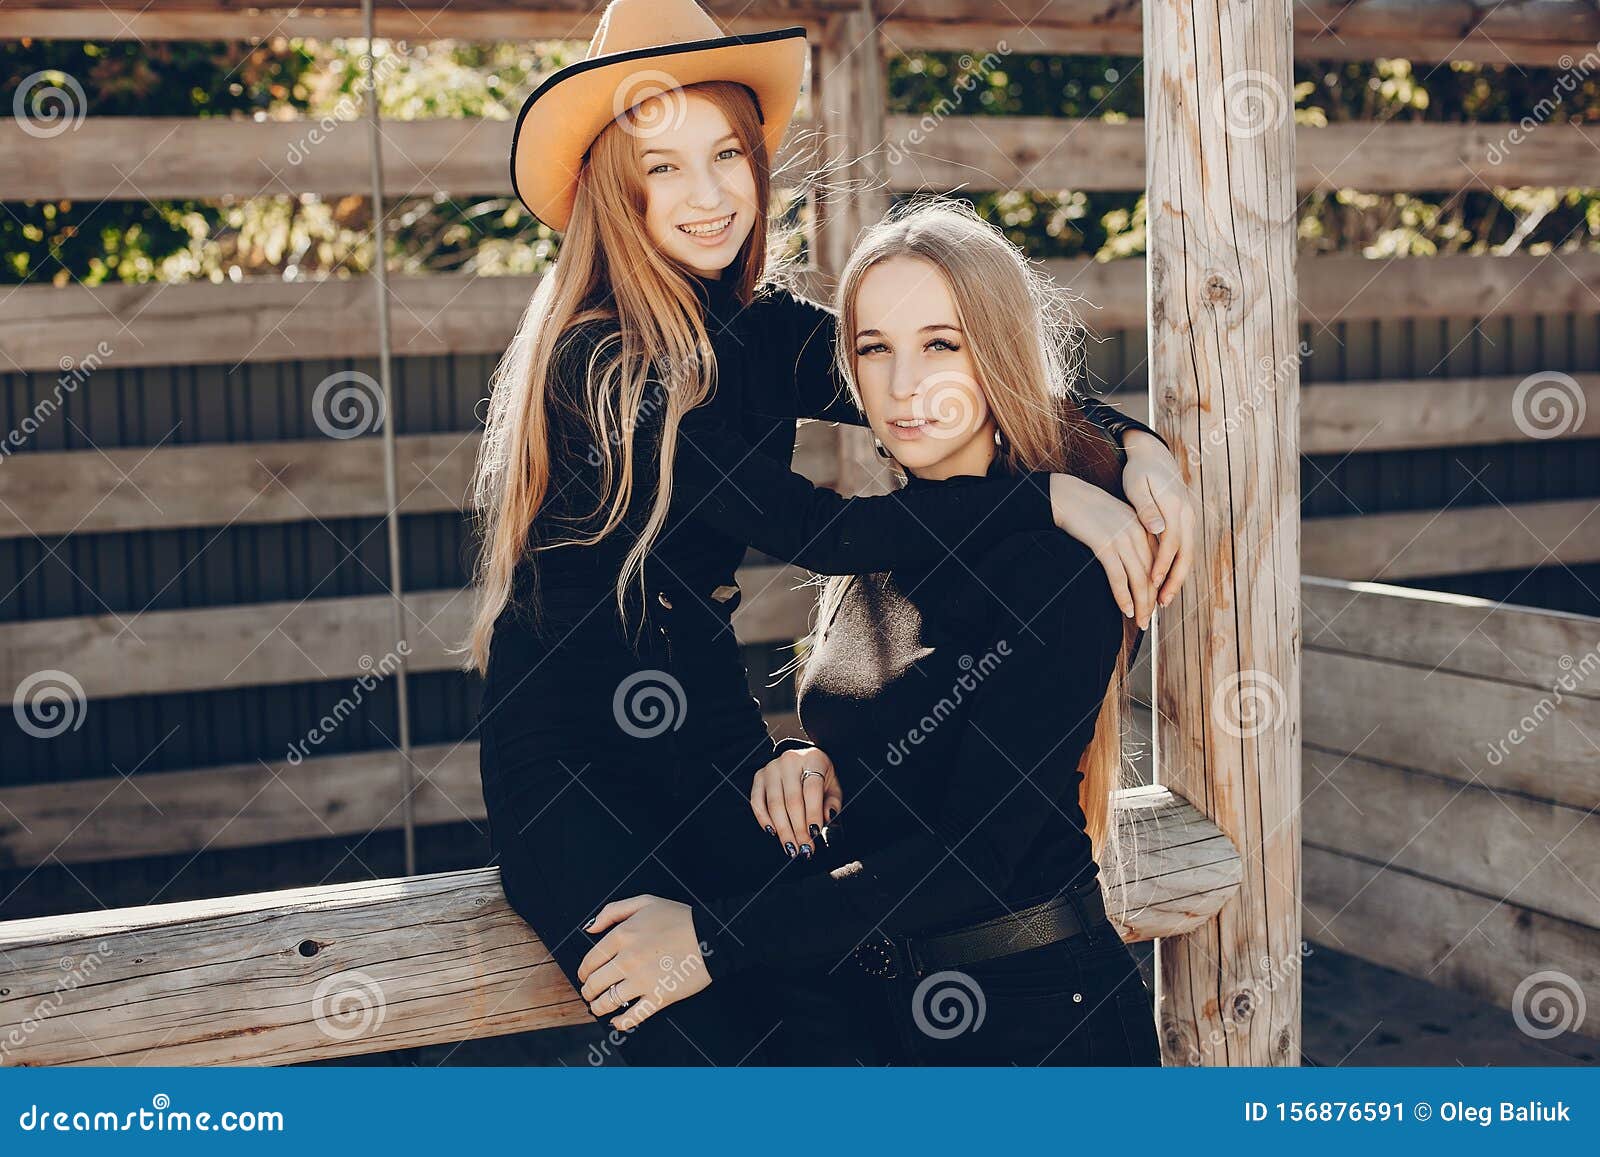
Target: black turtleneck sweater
[955, 700]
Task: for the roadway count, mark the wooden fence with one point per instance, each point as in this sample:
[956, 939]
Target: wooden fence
[1451, 788]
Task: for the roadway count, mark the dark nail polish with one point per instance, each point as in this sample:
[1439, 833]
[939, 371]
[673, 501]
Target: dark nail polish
[770, 832]
[805, 850]
[833, 811]
[788, 847]
[816, 832]
[589, 923]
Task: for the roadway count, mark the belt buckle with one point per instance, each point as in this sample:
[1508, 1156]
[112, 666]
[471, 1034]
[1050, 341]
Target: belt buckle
[877, 958]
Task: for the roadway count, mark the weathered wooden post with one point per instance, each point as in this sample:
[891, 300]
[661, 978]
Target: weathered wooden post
[1224, 380]
[847, 101]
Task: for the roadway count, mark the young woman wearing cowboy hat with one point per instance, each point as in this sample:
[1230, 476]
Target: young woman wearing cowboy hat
[618, 736]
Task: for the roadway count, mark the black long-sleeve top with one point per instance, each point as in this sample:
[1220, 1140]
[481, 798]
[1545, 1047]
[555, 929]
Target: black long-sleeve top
[733, 486]
[955, 701]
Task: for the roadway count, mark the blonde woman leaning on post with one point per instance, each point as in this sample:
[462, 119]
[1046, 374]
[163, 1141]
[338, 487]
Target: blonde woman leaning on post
[968, 713]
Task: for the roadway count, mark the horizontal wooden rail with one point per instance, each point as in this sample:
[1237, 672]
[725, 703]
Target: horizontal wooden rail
[259, 644]
[1432, 412]
[152, 158]
[248, 805]
[1459, 540]
[46, 328]
[149, 158]
[229, 483]
[1439, 631]
[312, 973]
[1452, 786]
[1537, 32]
[980, 153]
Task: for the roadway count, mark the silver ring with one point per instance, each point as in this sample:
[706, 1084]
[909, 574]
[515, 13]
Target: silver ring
[612, 993]
[809, 772]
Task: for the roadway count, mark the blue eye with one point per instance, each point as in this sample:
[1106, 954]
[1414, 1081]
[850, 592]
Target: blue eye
[870, 349]
[662, 167]
[730, 152]
[940, 342]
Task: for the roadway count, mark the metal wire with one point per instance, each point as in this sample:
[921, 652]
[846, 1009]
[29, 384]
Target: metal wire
[408, 777]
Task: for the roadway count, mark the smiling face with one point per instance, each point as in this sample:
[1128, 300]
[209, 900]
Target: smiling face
[699, 187]
[915, 372]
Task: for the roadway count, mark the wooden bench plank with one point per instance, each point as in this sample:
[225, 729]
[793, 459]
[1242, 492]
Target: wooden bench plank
[260, 979]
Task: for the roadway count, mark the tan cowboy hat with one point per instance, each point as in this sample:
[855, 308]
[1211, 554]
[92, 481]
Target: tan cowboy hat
[643, 48]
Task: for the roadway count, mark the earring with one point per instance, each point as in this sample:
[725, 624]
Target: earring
[878, 447]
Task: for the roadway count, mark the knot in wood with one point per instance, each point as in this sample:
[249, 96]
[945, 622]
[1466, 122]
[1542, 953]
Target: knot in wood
[1243, 1004]
[1218, 289]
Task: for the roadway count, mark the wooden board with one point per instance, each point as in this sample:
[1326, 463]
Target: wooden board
[1446, 936]
[1537, 854]
[1454, 726]
[266, 320]
[1460, 540]
[305, 640]
[251, 979]
[1538, 32]
[1433, 631]
[158, 158]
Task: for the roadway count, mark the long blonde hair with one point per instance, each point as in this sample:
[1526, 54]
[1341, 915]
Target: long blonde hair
[608, 270]
[1026, 347]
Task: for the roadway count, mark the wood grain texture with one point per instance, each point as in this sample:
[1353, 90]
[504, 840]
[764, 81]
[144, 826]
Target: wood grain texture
[1222, 291]
[312, 973]
[49, 329]
[310, 639]
[1538, 32]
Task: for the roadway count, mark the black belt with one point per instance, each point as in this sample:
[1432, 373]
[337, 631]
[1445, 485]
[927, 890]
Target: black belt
[1072, 913]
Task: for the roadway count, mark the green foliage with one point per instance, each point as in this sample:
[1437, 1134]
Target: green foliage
[65, 241]
[322, 82]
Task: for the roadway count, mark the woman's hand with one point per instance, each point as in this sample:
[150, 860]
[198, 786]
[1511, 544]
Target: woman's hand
[650, 956]
[1109, 527]
[1159, 495]
[793, 806]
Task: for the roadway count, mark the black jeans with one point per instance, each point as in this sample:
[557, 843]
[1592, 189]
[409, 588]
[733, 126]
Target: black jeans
[1079, 1001]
